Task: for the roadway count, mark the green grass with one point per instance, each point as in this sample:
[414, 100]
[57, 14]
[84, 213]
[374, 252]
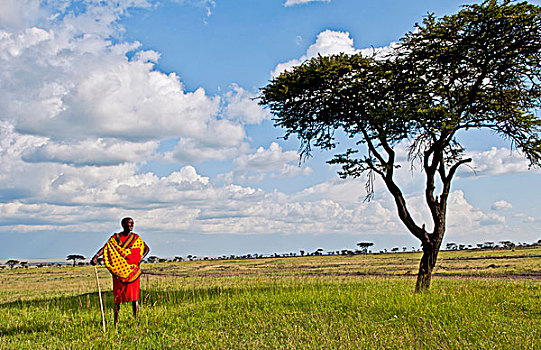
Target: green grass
[293, 303]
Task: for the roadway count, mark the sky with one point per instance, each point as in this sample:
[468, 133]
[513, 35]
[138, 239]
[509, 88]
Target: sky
[146, 109]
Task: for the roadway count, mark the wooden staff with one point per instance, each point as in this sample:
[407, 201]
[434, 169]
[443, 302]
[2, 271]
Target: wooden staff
[101, 302]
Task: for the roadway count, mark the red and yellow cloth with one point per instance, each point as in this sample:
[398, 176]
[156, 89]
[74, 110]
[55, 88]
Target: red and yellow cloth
[122, 258]
[125, 292]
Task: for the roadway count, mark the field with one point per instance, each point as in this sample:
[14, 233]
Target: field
[481, 299]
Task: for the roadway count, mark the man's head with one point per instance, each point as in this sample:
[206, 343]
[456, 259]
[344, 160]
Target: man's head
[127, 224]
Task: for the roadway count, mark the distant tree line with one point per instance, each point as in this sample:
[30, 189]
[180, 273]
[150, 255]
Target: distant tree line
[363, 249]
[491, 245]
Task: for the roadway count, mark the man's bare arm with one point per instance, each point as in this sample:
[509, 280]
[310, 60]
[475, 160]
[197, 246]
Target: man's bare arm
[146, 251]
[94, 260]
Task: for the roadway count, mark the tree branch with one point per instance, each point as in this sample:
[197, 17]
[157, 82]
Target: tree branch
[403, 212]
[453, 169]
[372, 148]
[447, 183]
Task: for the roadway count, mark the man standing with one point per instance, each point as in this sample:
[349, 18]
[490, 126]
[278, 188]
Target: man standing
[122, 255]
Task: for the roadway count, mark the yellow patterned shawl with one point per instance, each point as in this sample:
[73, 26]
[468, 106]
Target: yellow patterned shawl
[122, 260]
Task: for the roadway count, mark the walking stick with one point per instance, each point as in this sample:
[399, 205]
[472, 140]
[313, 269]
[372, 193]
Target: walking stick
[101, 302]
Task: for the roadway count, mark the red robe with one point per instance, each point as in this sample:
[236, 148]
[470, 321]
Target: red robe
[125, 292]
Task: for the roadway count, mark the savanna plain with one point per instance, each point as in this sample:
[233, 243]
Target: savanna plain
[479, 299]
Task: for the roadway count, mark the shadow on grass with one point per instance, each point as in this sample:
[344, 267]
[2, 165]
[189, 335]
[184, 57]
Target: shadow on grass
[151, 297]
[89, 302]
[23, 329]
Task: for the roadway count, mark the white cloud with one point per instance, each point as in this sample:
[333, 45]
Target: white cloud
[17, 13]
[265, 159]
[147, 56]
[501, 205]
[186, 201]
[77, 118]
[97, 152]
[463, 218]
[108, 97]
[327, 42]
[330, 42]
[291, 170]
[496, 161]
[253, 167]
[194, 151]
[240, 105]
[65, 80]
[349, 191]
[299, 2]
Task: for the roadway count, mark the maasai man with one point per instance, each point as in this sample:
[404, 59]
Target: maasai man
[122, 254]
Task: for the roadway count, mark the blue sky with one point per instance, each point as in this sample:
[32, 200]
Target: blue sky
[145, 109]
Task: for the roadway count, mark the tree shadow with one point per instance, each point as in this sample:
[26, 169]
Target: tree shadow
[65, 303]
[23, 329]
[90, 301]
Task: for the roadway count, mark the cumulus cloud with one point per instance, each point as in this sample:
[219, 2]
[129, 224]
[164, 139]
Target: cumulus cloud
[194, 151]
[67, 81]
[186, 201]
[299, 2]
[15, 14]
[241, 105]
[464, 218]
[265, 159]
[100, 93]
[78, 117]
[79, 114]
[98, 152]
[80, 110]
[330, 42]
[327, 42]
[501, 205]
[17, 178]
[290, 170]
[495, 161]
[273, 161]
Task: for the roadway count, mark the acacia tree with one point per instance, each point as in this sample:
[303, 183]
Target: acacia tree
[75, 257]
[477, 69]
[12, 263]
[364, 246]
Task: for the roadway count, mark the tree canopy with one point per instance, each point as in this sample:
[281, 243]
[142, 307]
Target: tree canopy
[479, 68]
[12, 263]
[75, 257]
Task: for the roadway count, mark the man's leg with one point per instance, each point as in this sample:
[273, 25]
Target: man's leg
[135, 307]
[116, 309]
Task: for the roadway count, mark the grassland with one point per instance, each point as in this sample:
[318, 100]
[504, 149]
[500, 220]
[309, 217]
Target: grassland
[479, 299]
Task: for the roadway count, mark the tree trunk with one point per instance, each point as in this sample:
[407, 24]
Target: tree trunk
[428, 261]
